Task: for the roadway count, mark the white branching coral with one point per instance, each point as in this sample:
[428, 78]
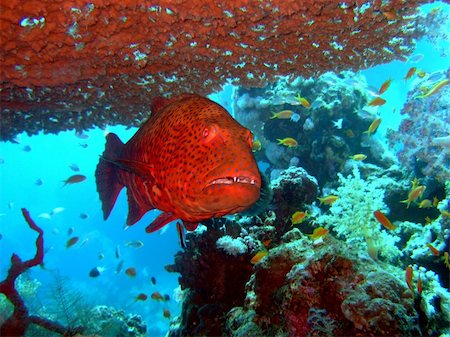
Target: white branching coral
[351, 216]
[232, 246]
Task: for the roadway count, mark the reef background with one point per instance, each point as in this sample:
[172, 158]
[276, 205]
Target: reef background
[47, 157]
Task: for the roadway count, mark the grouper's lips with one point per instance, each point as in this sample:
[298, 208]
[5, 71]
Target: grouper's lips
[230, 180]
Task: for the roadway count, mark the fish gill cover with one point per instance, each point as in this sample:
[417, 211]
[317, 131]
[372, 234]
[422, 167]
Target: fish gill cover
[79, 64]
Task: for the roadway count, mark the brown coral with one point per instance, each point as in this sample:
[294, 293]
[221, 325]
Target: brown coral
[80, 63]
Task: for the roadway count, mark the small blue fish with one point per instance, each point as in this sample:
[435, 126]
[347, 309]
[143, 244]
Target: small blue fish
[74, 167]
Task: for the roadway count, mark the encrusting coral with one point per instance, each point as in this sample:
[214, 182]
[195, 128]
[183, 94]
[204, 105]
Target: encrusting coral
[77, 65]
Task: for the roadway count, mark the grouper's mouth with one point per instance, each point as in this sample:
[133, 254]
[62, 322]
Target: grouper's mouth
[232, 180]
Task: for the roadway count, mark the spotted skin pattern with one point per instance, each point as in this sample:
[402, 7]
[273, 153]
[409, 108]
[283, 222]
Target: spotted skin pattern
[191, 160]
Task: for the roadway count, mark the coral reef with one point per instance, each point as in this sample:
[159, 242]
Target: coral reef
[328, 132]
[18, 323]
[423, 139]
[79, 65]
[351, 216]
[321, 287]
[109, 322]
[299, 289]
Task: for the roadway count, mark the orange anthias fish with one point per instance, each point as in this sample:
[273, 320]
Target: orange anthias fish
[72, 241]
[409, 277]
[157, 296]
[258, 256]
[191, 160]
[284, 114]
[303, 101]
[433, 249]
[141, 297]
[328, 200]
[373, 126]
[76, 178]
[377, 101]
[318, 233]
[289, 142]
[298, 217]
[410, 73]
[382, 219]
[385, 86]
[414, 194]
[132, 272]
[166, 313]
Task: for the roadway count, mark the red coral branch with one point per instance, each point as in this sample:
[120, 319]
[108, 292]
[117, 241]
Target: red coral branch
[18, 322]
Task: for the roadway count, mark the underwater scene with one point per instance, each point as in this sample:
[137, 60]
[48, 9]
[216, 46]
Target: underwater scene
[215, 169]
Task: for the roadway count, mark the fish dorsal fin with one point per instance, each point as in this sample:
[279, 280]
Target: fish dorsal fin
[135, 211]
[158, 103]
[162, 220]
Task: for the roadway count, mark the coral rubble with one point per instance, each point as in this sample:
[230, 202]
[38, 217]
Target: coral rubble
[82, 64]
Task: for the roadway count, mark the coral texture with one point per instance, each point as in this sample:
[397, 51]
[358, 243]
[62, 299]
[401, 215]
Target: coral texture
[75, 64]
[351, 216]
[423, 139]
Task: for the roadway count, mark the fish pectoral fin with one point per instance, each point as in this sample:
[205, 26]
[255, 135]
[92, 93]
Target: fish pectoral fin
[135, 210]
[162, 220]
[139, 168]
[190, 226]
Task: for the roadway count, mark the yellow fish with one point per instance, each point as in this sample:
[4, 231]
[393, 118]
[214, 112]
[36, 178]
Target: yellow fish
[289, 142]
[435, 88]
[284, 114]
[425, 203]
[373, 126]
[421, 73]
[328, 200]
[445, 258]
[414, 194]
[303, 101]
[435, 202]
[318, 233]
[414, 183]
[256, 146]
[298, 217]
[358, 157]
[258, 256]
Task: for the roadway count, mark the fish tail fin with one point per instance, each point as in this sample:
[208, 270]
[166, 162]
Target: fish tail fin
[274, 115]
[407, 202]
[108, 185]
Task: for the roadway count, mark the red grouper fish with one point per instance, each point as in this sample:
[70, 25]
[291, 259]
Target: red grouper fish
[191, 160]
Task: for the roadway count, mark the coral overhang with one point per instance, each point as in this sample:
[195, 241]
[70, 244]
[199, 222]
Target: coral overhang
[78, 64]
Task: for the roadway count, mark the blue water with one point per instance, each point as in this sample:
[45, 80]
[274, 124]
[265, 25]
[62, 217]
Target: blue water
[49, 160]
